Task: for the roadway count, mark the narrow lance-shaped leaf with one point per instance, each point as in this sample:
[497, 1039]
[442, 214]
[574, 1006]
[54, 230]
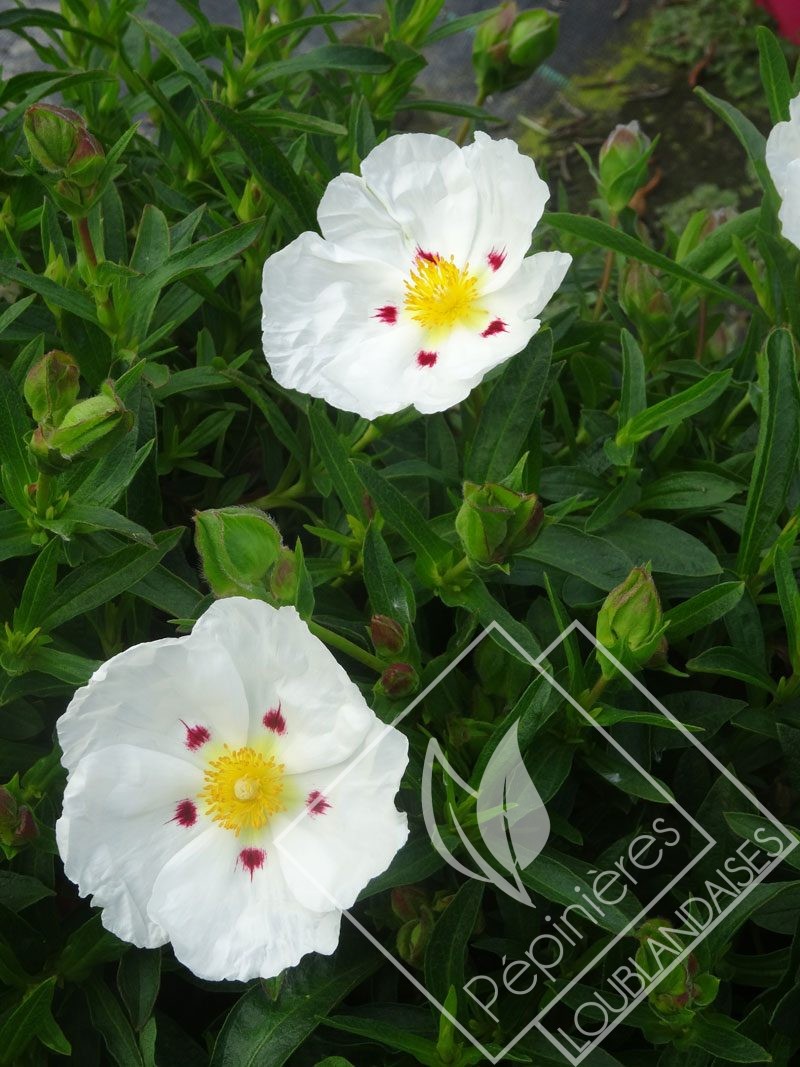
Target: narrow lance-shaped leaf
[777, 448]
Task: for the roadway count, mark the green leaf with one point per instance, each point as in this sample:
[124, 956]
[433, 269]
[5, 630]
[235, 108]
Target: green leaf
[205, 254]
[675, 409]
[19, 891]
[555, 876]
[101, 579]
[270, 166]
[88, 947]
[32, 1018]
[701, 610]
[37, 594]
[260, 1032]
[355, 59]
[732, 663]
[394, 1037]
[684, 490]
[76, 303]
[753, 142]
[404, 518]
[152, 241]
[777, 449]
[389, 592]
[109, 1020]
[17, 468]
[774, 74]
[789, 600]
[747, 825]
[718, 1035]
[138, 981]
[85, 518]
[477, 600]
[568, 549]
[669, 549]
[509, 412]
[446, 951]
[600, 233]
[337, 461]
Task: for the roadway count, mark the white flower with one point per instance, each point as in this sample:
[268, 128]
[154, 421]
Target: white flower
[783, 162]
[419, 284]
[229, 791]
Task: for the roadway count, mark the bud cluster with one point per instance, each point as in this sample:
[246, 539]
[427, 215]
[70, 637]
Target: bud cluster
[498, 519]
[70, 429]
[510, 45]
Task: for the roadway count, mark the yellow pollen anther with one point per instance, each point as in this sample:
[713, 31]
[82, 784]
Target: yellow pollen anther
[243, 789]
[440, 295]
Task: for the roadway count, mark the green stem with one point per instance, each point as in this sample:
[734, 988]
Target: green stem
[605, 281]
[372, 433]
[44, 494]
[595, 692]
[455, 571]
[348, 647]
[86, 240]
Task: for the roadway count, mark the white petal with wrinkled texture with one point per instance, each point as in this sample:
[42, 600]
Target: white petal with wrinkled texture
[329, 857]
[117, 831]
[281, 663]
[225, 925]
[336, 319]
[144, 833]
[143, 697]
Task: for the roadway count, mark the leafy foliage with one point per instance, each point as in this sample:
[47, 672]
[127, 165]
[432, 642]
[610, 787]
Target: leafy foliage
[654, 422]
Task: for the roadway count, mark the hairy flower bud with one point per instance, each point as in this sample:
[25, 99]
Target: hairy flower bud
[510, 45]
[51, 387]
[630, 623]
[89, 430]
[495, 521]
[398, 680]
[26, 829]
[52, 134]
[623, 164]
[642, 296]
[388, 636]
[238, 548]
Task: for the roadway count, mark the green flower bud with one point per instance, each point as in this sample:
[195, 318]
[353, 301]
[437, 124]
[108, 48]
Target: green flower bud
[51, 387]
[642, 297]
[87, 161]
[52, 134]
[388, 636]
[238, 548]
[631, 624]
[623, 164]
[89, 430]
[398, 680]
[510, 45]
[681, 990]
[413, 938]
[495, 521]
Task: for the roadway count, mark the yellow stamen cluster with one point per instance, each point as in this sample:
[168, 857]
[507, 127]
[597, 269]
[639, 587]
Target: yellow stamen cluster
[440, 295]
[243, 789]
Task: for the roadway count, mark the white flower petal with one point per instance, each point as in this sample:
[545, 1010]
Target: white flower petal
[228, 922]
[323, 716]
[351, 216]
[152, 695]
[351, 830]
[510, 197]
[425, 185]
[783, 149]
[323, 334]
[118, 829]
[789, 212]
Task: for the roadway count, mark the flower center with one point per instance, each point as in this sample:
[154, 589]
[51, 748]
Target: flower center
[243, 789]
[440, 295]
